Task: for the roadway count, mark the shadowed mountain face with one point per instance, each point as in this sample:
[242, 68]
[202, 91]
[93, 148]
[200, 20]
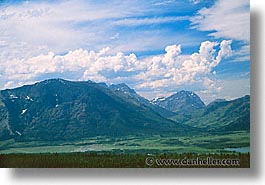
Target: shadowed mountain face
[62, 110]
[224, 115]
[183, 102]
[220, 116]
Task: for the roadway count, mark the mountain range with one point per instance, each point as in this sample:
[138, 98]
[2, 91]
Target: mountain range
[57, 109]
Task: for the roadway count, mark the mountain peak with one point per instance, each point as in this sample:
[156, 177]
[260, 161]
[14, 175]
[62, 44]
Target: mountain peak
[182, 101]
[122, 88]
[183, 92]
[52, 81]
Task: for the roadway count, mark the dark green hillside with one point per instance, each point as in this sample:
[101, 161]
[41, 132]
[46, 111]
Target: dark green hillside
[4, 127]
[55, 110]
[223, 116]
[62, 110]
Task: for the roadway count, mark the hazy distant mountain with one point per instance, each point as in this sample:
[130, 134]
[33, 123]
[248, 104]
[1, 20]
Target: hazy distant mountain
[123, 88]
[60, 110]
[183, 102]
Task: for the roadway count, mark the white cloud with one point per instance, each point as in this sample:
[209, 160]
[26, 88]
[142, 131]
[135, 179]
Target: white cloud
[148, 21]
[163, 3]
[38, 24]
[61, 25]
[230, 89]
[161, 74]
[195, 1]
[173, 69]
[31, 28]
[226, 19]
[243, 54]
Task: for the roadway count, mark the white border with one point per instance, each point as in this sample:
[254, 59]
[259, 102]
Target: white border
[254, 175]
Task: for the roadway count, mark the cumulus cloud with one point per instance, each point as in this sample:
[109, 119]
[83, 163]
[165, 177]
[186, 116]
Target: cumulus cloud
[162, 73]
[173, 69]
[225, 19]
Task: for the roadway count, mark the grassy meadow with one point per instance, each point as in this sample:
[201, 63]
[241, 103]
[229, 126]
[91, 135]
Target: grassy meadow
[128, 151]
[135, 144]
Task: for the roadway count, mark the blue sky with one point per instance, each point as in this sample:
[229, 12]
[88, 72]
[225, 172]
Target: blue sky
[157, 47]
